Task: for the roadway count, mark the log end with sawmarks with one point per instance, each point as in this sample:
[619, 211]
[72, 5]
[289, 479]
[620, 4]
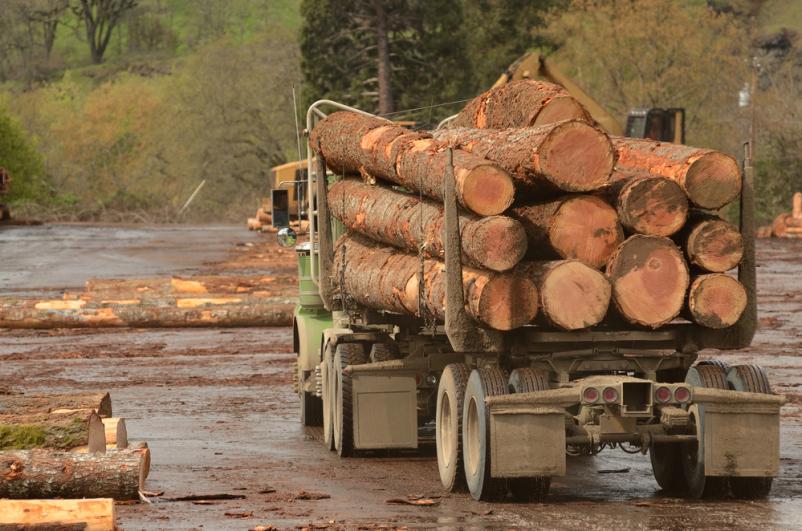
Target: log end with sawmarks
[716, 300]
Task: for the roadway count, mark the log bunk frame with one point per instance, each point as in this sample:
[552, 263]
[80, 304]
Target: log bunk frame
[505, 408]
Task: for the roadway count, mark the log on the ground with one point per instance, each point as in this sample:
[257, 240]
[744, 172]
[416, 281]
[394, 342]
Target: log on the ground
[11, 404]
[384, 278]
[143, 449]
[171, 312]
[116, 432]
[786, 226]
[522, 103]
[60, 431]
[55, 474]
[648, 204]
[179, 286]
[711, 243]
[710, 178]
[581, 227]
[716, 300]
[650, 278]
[254, 224]
[352, 143]
[96, 514]
[571, 156]
[403, 220]
[264, 217]
[572, 295]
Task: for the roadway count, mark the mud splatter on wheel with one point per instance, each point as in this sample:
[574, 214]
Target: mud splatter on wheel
[448, 425]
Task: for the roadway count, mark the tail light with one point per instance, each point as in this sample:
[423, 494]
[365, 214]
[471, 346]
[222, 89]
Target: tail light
[610, 395]
[682, 395]
[590, 395]
[662, 395]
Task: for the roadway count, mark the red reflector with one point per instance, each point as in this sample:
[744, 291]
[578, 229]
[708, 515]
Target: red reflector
[590, 394]
[682, 394]
[610, 395]
[663, 394]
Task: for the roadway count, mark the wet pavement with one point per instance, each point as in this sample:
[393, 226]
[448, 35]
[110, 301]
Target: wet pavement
[218, 411]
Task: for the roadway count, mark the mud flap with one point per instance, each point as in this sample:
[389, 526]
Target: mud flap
[384, 408]
[526, 441]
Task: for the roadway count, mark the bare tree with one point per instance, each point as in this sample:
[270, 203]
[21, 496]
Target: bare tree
[48, 13]
[100, 17]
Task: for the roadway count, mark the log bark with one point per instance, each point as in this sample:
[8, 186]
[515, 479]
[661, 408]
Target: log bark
[712, 244]
[569, 156]
[572, 295]
[353, 143]
[648, 204]
[29, 404]
[383, 278]
[716, 300]
[709, 178]
[91, 514]
[649, 277]
[580, 227]
[403, 220]
[55, 474]
[116, 432]
[522, 103]
[170, 312]
[60, 431]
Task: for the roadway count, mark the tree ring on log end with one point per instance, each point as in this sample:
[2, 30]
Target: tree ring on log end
[559, 109]
[587, 229]
[504, 242]
[715, 245]
[574, 296]
[713, 180]
[486, 189]
[716, 300]
[653, 205]
[572, 169]
[508, 301]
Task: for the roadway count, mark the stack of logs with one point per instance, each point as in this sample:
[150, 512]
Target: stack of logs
[789, 225]
[263, 222]
[557, 219]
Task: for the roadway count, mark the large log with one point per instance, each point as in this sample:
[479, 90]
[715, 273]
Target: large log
[160, 287]
[571, 156]
[716, 300]
[403, 220]
[116, 432]
[712, 244]
[95, 514]
[56, 474]
[60, 431]
[29, 404]
[522, 103]
[710, 178]
[354, 143]
[384, 278]
[648, 204]
[169, 312]
[572, 295]
[582, 227]
[649, 277]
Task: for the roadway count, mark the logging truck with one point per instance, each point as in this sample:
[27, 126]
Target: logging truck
[506, 409]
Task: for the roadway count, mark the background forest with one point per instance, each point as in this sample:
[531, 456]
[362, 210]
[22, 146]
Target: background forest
[117, 109]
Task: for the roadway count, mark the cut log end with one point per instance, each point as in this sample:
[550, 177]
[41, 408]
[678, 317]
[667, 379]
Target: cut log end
[504, 242]
[649, 278]
[715, 245]
[573, 169]
[559, 109]
[487, 190]
[652, 205]
[716, 300]
[587, 229]
[574, 296]
[713, 180]
[508, 301]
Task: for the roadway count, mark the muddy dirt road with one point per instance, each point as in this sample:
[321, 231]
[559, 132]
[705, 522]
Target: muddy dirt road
[218, 411]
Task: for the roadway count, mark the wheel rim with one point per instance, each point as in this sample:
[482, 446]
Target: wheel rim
[472, 442]
[447, 431]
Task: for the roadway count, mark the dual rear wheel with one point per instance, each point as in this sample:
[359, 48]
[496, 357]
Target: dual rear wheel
[338, 428]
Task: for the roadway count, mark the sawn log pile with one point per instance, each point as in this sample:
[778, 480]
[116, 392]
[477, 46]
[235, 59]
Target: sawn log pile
[561, 226]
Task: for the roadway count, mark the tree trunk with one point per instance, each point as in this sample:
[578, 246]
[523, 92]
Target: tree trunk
[30, 404]
[52, 430]
[403, 220]
[711, 243]
[383, 65]
[169, 312]
[572, 295]
[571, 156]
[522, 103]
[90, 515]
[354, 143]
[54, 474]
[383, 278]
[648, 204]
[116, 432]
[582, 227]
[710, 178]
[142, 448]
[649, 278]
[716, 300]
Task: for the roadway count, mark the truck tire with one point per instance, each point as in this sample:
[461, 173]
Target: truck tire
[448, 425]
[383, 352]
[489, 381]
[328, 398]
[751, 379]
[667, 467]
[311, 409]
[693, 465]
[346, 354]
[717, 363]
[526, 380]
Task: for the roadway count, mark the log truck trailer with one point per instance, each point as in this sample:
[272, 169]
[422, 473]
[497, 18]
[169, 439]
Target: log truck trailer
[506, 410]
